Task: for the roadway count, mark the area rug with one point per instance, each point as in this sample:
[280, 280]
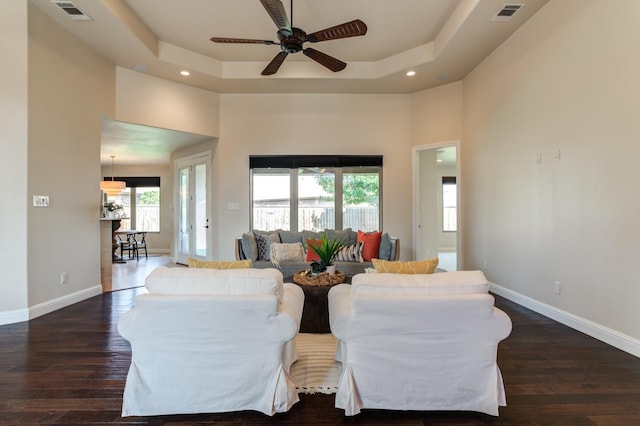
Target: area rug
[316, 370]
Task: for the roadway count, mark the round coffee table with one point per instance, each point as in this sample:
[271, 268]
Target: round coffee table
[315, 314]
[322, 279]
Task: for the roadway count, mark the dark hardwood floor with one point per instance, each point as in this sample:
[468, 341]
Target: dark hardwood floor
[69, 368]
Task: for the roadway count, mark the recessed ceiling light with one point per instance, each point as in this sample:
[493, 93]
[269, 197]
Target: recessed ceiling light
[141, 68]
[443, 77]
[411, 73]
[185, 73]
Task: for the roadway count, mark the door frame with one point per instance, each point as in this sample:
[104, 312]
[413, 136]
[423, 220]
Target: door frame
[415, 199]
[191, 160]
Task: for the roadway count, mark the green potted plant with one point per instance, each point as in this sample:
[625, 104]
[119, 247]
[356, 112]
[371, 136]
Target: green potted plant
[326, 250]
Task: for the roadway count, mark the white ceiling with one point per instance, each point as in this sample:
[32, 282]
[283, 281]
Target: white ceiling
[442, 40]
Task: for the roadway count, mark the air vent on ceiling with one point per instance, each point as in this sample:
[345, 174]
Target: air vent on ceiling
[507, 12]
[71, 10]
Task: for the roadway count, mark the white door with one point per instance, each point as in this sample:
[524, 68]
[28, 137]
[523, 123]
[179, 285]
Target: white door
[193, 233]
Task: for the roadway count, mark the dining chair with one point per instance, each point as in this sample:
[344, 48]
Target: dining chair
[125, 245]
[139, 243]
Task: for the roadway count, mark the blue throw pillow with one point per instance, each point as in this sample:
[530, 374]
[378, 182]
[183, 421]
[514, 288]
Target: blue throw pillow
[385, 247]
[249, 246]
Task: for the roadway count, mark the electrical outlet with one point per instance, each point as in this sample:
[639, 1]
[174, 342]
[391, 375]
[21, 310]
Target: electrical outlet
[485, 266]
[556, 287]
[64, 278]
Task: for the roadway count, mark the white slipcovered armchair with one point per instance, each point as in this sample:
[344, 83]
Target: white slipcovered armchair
[206, 340]
[418, 342]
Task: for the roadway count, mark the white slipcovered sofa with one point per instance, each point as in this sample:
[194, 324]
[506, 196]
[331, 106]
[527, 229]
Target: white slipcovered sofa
[206, 340]
[418, 342]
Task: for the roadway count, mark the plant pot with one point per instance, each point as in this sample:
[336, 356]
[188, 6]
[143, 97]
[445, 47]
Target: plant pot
[331, 269]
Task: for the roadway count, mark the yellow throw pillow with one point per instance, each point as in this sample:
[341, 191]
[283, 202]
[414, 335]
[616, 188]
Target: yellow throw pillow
[400, 267]
[217, 264]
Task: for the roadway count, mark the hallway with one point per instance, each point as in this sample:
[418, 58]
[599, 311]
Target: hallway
[132, 274]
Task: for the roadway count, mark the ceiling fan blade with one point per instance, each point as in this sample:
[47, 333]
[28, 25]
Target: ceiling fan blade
[275, 63]
[348, 29]
[330, 62]
[275, 9]
[240, 40]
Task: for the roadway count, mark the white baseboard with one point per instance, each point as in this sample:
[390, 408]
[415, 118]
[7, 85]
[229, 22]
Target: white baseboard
[590, 328]
[12, 317]
[20, 315]
[159, 251]
[49, 306]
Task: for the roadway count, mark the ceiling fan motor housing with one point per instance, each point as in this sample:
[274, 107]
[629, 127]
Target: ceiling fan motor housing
[292, 43]
[291, 38]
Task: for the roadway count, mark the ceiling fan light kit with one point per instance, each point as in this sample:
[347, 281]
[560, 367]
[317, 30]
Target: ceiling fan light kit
[291, 39]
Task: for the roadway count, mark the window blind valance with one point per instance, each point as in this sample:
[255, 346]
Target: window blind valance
[297, 161]
[137, 181]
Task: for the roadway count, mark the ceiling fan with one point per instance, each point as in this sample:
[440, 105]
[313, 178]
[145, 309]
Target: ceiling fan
[291, 38]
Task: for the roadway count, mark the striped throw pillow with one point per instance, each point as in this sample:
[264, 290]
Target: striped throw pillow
[352, 253]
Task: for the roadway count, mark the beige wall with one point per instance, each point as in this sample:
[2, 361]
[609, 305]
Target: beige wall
[151, 101]
[566, 81]
[436, 115]
[13, 161]
[69, 88]
[157, 242]
[311, 124]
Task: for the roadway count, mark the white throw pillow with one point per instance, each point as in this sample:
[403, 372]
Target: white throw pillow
[286, 252]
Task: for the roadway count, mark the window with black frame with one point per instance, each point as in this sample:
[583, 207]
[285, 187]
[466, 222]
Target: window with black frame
[141, 202]
[316, 192]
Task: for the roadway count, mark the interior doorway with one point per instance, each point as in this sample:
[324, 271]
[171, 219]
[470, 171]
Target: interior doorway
[436, 223]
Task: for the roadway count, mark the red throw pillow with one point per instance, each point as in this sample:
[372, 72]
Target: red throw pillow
[371, 242]
[312, 256]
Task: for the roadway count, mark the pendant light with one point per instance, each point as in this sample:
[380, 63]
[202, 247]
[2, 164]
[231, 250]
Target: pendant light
[112, 187]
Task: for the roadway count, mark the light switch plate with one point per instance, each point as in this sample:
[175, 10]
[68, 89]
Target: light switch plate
[40, 201]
